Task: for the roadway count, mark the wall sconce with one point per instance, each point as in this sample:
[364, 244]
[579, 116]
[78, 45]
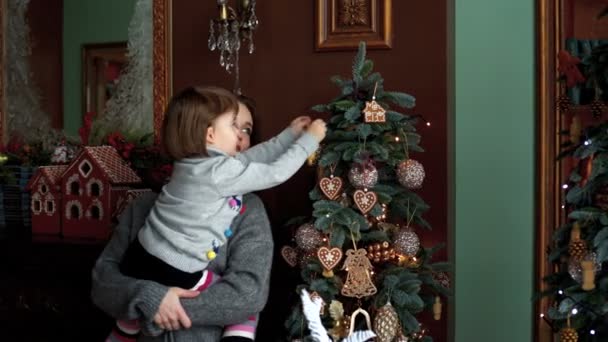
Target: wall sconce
[227, 32]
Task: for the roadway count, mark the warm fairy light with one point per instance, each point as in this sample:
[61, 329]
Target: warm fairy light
[396, 138]
[574, 311]
[565, 186]
[587, 142]
[327, 215]
[428, 124]
[592, 332]
[563, 206]
[542, 315]
[560, 292]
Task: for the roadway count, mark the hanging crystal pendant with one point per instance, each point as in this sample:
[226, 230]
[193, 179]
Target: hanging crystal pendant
[211, 43]
[230, 31]
[222, 59]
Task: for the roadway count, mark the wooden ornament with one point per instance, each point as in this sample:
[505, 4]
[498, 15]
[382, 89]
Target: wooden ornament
[329, 258]
[368, 321]
[586, 170]
[577, 248]
[386, 323]
[365, 200]
[290, 255]
[331, 186]
[575, 129]
[437, 308]
[564, 103]
[373, 112]
[568, 334]
[597, 107]
[358, 281]
[588, 267]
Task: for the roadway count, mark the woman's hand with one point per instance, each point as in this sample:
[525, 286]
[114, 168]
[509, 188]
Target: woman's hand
[171, 314]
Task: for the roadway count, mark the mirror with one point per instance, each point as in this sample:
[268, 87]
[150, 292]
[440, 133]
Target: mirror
[573, 26]
[55, 78]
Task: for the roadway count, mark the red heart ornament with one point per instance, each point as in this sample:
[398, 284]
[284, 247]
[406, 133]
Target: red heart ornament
[331, 186]
[329, 258]
[290, 255]
[365, 200]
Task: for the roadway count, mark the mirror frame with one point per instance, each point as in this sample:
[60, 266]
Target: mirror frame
[162, 64]
[549, 171]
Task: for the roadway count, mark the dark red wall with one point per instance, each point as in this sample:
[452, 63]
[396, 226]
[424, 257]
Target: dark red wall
[45, 18]
[286, 77]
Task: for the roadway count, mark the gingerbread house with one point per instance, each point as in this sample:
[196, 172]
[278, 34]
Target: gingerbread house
[92, 185]
[374, 112]
[46, 199]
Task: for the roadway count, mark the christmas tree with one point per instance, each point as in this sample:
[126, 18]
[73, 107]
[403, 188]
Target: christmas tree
[360, 251]
[578, 286]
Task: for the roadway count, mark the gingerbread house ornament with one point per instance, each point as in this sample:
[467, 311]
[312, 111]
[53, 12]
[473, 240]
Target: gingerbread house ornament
[374, 112]
[91, 186]
[46, 200]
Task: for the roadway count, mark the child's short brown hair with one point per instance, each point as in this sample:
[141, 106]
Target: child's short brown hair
[189, 114]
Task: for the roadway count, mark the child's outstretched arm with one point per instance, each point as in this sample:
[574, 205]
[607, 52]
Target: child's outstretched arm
[233, 176]
[270, 150]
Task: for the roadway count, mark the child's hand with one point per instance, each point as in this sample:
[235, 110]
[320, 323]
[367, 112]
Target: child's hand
[317, 129]
[299, 124]
[171, 314]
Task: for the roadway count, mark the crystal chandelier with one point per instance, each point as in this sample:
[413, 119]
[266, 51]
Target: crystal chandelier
[232, 28]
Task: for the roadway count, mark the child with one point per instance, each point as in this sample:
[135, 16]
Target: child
[191, 217]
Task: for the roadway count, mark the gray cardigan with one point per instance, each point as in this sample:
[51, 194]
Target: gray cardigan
[193, 214]
[241, 292]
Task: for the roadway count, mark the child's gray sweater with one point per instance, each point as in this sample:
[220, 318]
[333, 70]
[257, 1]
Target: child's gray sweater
[191, 217]
[244, 263]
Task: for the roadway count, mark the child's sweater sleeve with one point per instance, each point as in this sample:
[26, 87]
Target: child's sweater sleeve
[233, 176]
[269, 150]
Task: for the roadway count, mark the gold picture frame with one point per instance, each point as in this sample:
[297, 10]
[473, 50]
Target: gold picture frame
[161, 61]
[102, 65]
[342, 24]
[548, 141]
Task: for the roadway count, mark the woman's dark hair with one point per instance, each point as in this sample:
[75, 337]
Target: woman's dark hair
[248, 102]
[251, 105]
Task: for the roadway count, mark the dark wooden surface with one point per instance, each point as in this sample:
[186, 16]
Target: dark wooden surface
[45, 290]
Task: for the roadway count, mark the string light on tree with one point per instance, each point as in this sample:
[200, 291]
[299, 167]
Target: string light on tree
[583, 199]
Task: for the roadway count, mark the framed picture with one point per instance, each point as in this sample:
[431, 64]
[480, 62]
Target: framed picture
[342, 24]
[102, 65]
